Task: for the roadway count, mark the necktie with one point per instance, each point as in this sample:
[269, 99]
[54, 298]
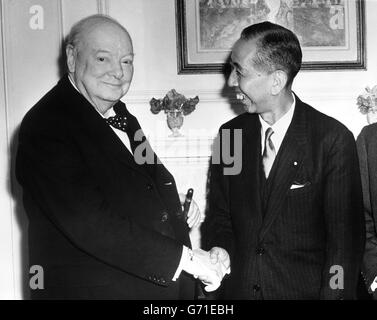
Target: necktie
[269, 152]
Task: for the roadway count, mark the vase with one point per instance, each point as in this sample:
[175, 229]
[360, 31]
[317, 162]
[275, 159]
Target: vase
[372, 117]
[175, 122]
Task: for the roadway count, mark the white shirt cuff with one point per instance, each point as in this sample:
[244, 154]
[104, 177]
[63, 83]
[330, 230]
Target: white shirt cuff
[184, 258]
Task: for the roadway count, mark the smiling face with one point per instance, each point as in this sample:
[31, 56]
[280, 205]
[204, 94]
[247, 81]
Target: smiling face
[253, 86]
[101, 64]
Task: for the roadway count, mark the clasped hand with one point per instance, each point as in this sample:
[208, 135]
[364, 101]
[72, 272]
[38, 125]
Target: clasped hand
[210, 267]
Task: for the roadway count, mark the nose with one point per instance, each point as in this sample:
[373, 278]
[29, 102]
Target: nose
[233, 80]
[117, 71]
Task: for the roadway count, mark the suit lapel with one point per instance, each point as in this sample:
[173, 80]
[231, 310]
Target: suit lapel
[91, 123]
[286, 165]
[163, 180]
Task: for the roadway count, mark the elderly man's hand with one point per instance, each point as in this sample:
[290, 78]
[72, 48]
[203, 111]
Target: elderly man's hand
[194, 216]
[211, 280]
[221, 256]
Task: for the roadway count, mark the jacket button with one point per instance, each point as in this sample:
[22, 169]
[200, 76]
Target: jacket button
[256, 287]
[260, 251]
[149, 186]
[164, 217]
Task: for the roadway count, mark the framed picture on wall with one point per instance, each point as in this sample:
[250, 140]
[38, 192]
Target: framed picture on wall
[331, 32]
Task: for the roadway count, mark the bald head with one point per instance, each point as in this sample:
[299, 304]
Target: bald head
[81, 29]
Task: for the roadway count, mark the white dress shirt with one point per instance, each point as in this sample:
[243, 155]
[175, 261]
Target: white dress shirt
[280, 127]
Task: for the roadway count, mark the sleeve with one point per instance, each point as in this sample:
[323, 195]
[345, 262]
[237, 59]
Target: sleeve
[51, 170]
[217, 228]
[343, 218]
[369, 267]
[182, 262]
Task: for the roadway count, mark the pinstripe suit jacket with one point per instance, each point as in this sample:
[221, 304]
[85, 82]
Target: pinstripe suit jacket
[367, 150]
[287, 250]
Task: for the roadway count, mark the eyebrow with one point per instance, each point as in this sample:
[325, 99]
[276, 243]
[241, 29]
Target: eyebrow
[236, 64]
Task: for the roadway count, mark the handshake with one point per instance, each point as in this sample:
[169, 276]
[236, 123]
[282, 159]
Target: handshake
[210, 267]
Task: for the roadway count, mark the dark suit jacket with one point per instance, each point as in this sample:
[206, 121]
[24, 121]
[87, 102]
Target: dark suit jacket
[101, 226]
[287, 249]
[367, 150]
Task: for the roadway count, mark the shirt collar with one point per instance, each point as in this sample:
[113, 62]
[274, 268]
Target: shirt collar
[73, 83]
[280, 127]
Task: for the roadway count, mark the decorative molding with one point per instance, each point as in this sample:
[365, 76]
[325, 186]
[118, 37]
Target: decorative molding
[60, 19]
[103, 6]
[196, 162]
[7, 138]
[188, 148]
[4, 59]
[212, 96]
[144, 96]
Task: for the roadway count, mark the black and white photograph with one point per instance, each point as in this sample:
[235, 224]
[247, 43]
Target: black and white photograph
[188, 154]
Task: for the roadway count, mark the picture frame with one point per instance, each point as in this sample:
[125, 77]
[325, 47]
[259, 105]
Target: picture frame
[331, 32]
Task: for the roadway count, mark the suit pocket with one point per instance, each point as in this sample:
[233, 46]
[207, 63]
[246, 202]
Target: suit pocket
[298, 191]
[303, 214]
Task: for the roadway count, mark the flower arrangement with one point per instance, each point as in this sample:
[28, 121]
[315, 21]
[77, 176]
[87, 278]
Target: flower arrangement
[174, 102]
[175, 105]
[367, 102]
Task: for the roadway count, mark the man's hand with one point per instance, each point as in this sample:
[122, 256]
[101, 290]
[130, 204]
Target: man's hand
[220, 256]
[210, 270]
[211, 280]
[194, 216]
[200, 266]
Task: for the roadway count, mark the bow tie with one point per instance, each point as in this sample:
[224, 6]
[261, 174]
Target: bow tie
[119, 121]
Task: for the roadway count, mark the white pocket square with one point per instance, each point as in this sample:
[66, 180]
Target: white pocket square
[168, 183]
[297, 186]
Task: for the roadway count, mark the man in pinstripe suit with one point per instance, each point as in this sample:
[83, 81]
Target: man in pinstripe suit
[291, 221]
[367, 151]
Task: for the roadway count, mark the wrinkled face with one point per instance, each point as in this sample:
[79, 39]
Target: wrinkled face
[253, 87]
[102, 65]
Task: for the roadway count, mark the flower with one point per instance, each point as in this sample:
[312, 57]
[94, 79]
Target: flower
[174, 101]
[155, 105]
[367, 102]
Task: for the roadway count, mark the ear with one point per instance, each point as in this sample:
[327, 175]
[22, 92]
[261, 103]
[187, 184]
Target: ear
[279, 81]
[71, 54]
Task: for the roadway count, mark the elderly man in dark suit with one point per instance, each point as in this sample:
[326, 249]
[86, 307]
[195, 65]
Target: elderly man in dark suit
[367, 150]
[291, 221]
[104, 223]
